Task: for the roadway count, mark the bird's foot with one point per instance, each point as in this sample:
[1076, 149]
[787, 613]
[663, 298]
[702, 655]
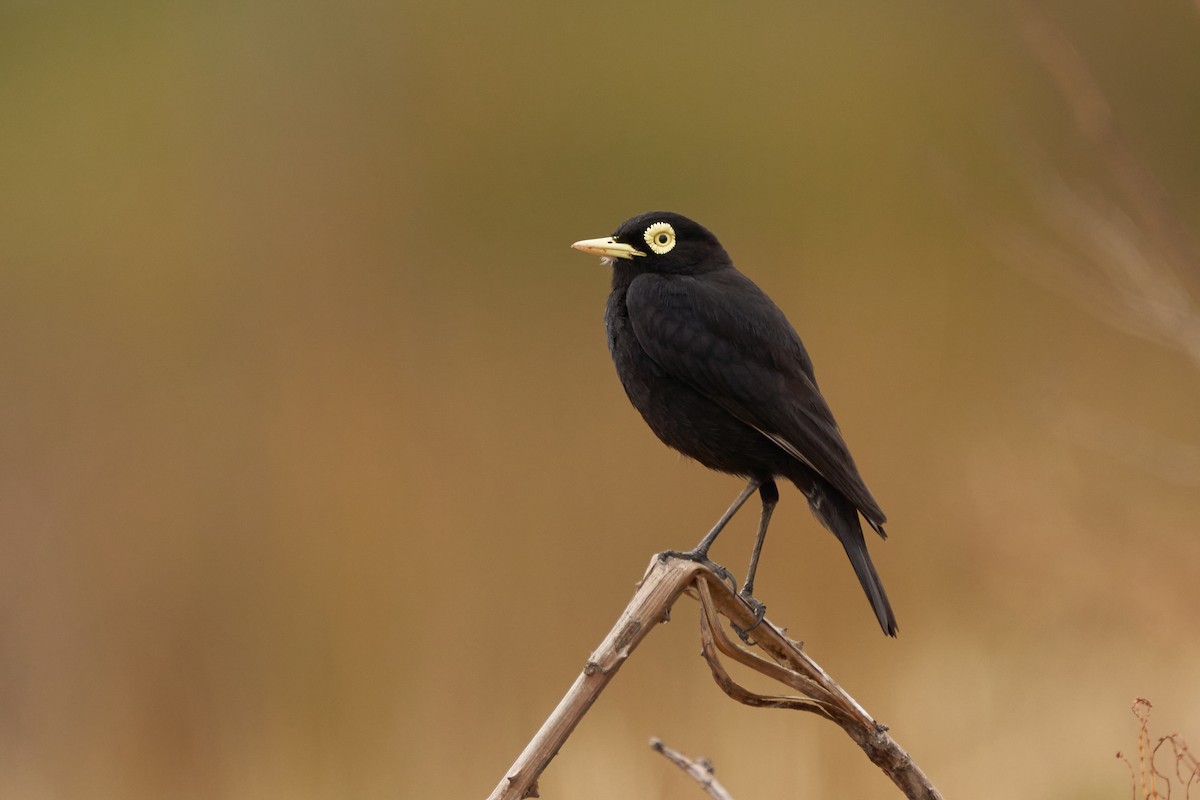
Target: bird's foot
[701, 557]
[760, 613]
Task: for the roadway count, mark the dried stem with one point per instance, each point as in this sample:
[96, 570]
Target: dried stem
[664, 581]
[701, 771]
[1146, 776]
[660, 587]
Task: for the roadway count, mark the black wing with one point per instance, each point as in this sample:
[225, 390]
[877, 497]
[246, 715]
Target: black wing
[721, 334]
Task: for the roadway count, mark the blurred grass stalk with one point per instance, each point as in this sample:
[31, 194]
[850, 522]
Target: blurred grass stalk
[1141, 257]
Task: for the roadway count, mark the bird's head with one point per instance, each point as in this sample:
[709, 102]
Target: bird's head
[659, 241]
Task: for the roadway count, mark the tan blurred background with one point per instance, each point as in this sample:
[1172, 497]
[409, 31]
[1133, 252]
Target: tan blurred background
[317, 481]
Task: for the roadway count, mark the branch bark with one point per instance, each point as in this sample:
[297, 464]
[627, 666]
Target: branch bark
[665, 580]
[659, 589]
[700, 771]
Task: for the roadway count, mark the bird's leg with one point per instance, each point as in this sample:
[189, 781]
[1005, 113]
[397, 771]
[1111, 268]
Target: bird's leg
[700, 551]
[769, 493]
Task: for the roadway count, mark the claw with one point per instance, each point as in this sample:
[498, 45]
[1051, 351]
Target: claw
[760, 613]
[723, 574]
[701, 558]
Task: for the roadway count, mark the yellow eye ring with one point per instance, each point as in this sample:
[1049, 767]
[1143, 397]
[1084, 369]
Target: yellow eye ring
[661, 237]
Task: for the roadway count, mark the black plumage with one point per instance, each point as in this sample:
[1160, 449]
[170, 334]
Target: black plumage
[720, 375]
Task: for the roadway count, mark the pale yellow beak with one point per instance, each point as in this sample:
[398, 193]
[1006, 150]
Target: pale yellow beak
[607, 248]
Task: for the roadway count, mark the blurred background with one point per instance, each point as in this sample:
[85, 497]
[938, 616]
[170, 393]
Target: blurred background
[316, 479]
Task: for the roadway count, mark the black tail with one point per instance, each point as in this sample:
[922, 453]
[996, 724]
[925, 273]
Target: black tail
[838, 514]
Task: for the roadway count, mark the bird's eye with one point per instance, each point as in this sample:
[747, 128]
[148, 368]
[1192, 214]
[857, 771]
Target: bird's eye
[661, 237]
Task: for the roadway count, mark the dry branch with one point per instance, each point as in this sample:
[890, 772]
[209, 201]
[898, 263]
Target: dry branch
[665, 580]
[701, 771]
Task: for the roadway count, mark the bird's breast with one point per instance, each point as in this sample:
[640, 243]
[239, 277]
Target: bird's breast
[682, 417]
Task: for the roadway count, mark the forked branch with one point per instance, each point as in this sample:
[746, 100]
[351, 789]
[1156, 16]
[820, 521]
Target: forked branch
[665, 580]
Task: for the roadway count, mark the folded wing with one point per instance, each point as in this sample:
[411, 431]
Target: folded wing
[720, 334]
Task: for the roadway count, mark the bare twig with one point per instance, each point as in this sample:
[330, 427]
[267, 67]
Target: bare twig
[664, 581]
[662, 584]
[1147, 774]
[713, 639]
[701, 771]
[822, 695]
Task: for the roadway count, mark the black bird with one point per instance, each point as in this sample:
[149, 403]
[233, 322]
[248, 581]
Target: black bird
[720, 375]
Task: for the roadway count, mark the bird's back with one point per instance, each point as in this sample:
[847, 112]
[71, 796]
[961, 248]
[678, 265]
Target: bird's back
[716, 346]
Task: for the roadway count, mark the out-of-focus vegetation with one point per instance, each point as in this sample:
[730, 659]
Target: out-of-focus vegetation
[317, 480]
[1160, 765]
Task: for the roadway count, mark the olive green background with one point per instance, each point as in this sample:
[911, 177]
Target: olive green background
[316, 480]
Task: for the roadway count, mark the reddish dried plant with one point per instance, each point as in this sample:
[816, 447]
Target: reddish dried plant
[1149, 782]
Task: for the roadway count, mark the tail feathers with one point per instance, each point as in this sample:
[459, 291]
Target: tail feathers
[878, 528]
[869, 578]
[840, 516]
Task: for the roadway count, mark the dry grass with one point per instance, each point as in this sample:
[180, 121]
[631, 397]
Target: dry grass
[1149, 781]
